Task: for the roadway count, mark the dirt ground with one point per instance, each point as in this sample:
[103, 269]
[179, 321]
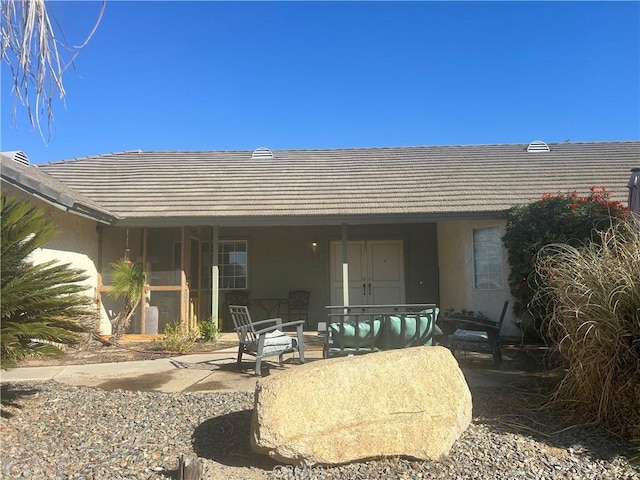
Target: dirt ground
[94, 350]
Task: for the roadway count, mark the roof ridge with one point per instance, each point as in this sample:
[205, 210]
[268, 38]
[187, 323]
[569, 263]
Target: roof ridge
[86, 157]
[338, 149]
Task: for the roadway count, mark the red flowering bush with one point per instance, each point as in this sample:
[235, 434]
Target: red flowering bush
[555, 218]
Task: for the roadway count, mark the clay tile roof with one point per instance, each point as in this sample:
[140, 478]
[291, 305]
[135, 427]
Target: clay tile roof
[329, 185]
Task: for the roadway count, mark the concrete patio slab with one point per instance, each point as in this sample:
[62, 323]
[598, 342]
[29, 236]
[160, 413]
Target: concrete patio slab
[218, 372]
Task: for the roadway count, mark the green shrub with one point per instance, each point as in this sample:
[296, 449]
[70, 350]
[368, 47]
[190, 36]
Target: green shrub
[208, 330]
[177, 339]
[127, 283]
[44, 306]
[563, 218]
[593, 299]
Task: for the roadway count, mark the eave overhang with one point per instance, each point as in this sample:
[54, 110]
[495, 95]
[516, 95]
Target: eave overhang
[305, 220]
[55, 197]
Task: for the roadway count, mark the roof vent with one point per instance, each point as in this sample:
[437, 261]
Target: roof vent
[262, 152]
[538, 146]
[17, 156]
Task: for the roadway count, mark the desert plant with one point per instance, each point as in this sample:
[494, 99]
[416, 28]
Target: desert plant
[635, 448]
[208, 330]
[592, 294]
[127, 282]
[37, 55]
[43, 307]
[563, 218]
[178, 339]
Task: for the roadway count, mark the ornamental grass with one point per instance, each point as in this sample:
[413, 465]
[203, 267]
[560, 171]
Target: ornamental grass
[594, 322]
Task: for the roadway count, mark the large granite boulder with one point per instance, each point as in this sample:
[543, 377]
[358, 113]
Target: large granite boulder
[412, 402]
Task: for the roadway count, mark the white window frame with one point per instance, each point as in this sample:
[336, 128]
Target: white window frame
[488, 269]
[229, 282]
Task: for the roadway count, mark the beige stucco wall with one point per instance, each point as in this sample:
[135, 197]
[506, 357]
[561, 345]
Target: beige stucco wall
[455, 258]
[76, 244]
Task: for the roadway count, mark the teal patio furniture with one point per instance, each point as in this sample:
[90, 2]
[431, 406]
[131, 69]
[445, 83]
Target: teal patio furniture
[359, 329]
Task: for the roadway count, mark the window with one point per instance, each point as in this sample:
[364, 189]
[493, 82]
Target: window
[232, 261]
[487, 258]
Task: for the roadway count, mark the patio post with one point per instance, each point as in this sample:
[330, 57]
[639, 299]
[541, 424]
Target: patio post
[185, 263]
[215, 277]
[634, 191]
[345, 266]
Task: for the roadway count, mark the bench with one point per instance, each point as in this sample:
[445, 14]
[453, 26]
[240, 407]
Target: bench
[360, 329]
[471, 333]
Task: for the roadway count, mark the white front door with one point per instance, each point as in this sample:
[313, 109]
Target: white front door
[376, 272]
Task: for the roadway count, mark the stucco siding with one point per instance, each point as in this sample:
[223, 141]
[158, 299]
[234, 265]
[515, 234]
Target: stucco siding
[76, 244]
[457, 291]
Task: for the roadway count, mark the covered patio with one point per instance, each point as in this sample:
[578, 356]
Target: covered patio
[193, 273]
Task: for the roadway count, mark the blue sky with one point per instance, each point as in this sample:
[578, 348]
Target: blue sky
[239, 75]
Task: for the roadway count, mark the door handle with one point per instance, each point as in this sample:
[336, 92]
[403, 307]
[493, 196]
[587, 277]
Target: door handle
[369, 289]
[364, 289]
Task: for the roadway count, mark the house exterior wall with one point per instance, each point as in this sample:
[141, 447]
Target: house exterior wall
[281, 259]
[76, 244]
[438, 260]
[455, 256]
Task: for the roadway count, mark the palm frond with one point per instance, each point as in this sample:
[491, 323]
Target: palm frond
[44, 301]
[31, 50]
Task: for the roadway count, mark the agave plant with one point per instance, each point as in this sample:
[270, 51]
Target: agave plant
[43, 307]
[127, 283]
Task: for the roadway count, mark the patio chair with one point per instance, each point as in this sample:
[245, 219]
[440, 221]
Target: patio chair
[297, 305]
[477, 335]
[233, 297]
[265, 338]
[237, 297]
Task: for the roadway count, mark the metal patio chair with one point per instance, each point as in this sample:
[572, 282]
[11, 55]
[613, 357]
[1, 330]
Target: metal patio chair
[297, 306]
[478, 334]
[265, 338]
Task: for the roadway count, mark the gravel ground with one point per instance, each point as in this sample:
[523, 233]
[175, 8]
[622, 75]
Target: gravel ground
[55, 431]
